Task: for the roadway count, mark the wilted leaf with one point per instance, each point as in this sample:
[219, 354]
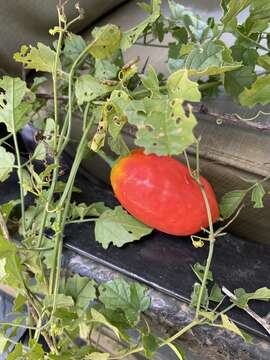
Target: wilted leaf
[45, 147]
[257, 195]
[242, 297]
[179, 86]
[229, 325]
[130, 298]
[40, 58]
[7, 161]
[199, 271]
[98, 356]
[118, 227]
[216, 294]
[81, 211]
[259, 93]
[230, 202]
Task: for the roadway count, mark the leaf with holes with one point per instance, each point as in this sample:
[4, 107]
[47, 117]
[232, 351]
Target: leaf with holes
[118, 227]
[40, 58]
[12, 107]
[105, 70]
[130, 37]
[87, 88]
[179, 86]
[7, 161]
[106, 41]
[163, 126]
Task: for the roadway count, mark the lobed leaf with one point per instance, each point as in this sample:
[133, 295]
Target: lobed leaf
[179, 86]
[7, 161]
[259, 93]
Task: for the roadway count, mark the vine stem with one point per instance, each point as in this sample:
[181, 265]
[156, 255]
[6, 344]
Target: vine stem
[19, 170]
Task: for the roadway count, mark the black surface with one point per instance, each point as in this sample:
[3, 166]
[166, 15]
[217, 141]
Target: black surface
[164, 262]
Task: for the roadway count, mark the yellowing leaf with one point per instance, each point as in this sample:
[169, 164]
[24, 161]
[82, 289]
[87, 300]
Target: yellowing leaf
[229, 325]
[106, 41]
[40, 58]
[179, 86]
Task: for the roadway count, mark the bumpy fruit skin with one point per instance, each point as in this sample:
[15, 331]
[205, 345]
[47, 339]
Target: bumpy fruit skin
[159, 191]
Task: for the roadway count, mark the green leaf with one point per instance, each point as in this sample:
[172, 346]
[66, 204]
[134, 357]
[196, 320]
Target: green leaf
[74, 45]
[259, 93]
[12, 109]
[257, 195]
[264, 61]
[195, 296]
[235, 81]
[230, 202]
[242, 297]
[216, 294]
[234, 7]
[163, 126]
[61, 301]
[208, 315]
[260, 10]
[40, 58]
[81, 289]
[177, 350]
[199, 271]
[105, 70]
[179, 86]
[8, 207]
[246, 55]
[150, 81]
[106, 41]
[3, 343]
[118, 227]
[81, 211]
[184, 17]
[150, 345]
[87, 88]
[16, 353]
[207, 59]
[98, 356]
[130, 298]
[117, 146]
[7, 161]
[229, 325]
[130, 37]
[97, 317]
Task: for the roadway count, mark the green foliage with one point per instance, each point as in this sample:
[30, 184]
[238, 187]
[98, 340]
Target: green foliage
[230, 202]
[7, 160]
[257, 94]
[12, 107]
[92, 79]
[130, 298]
[118, 227]
[40, 58]
[163, 126]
